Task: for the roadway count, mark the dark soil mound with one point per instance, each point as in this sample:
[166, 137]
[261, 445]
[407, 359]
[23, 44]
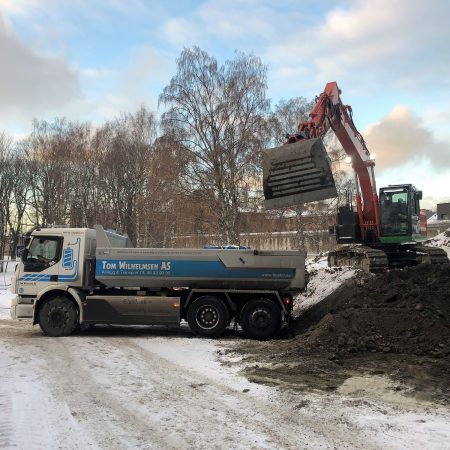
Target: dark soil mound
[405, 311]
[395, 324]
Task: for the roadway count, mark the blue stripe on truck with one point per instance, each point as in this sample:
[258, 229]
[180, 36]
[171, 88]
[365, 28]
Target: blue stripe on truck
[183, 269]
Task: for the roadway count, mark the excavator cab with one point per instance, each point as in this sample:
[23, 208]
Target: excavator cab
[297, 173]
[399, 213]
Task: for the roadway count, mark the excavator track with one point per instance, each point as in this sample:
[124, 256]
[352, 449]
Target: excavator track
[375, 260]
[431, 255]
[361, 257]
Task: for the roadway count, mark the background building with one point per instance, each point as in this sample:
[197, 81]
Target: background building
[440, 221]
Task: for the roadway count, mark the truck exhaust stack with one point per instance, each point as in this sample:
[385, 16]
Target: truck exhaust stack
[297, 173]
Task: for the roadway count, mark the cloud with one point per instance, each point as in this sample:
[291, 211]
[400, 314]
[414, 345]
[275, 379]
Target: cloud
[31, 83]
[179, 32]
[230, 19]
[96, 7]
[435, 186]
[224, 19]
[402, 137]
[146, 64]
[18, 7]
[402, 44]
[112, 92]
[140, 82]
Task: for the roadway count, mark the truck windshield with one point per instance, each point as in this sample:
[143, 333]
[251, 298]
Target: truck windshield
[43, 252]
[394, 212]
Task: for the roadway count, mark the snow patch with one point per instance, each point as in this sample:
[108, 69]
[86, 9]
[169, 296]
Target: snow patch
[5, 289]
[441, 240]
[323, 281]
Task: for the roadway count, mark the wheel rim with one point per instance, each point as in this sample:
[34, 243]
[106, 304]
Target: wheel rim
[261, 318]
[58, 317]
[207, 317]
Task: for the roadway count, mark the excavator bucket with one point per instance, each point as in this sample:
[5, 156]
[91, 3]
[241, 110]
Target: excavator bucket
[297, 173]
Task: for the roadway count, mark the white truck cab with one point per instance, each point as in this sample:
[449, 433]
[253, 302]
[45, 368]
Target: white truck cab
[53, 260]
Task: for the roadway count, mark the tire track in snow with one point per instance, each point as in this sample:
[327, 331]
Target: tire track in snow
[37, 421]
[109, 420]
[115, 392]
[21, 424]
[6, 424]
[233, 413]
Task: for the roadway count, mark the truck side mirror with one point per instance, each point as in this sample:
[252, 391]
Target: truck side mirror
[419, 195]
[25, 254]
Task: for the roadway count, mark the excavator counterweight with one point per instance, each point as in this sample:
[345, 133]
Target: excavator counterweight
[297, 173]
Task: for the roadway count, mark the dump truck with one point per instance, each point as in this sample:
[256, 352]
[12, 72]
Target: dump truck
[375, 232]
[68, 278]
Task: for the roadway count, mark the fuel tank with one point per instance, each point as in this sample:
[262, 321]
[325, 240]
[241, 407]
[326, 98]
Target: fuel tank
[200, 268]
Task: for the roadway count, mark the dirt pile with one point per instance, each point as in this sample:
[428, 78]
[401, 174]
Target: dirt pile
[406, 311]
[394, 325]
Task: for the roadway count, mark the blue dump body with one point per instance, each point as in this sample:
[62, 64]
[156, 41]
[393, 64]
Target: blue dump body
[200, 268]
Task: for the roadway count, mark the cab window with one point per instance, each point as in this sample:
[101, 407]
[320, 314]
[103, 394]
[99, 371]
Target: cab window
[42, 253]
[394, 212]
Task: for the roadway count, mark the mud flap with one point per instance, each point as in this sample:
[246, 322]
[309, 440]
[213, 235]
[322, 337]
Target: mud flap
[297, 173]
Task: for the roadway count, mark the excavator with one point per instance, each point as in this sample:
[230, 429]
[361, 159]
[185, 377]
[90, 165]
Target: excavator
[381, 231]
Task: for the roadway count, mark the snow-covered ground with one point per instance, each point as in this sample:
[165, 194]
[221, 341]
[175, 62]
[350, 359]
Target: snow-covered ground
[157, 387]
[5, 291]
[162, 388]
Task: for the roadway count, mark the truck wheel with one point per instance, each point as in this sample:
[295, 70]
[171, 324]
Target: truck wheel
[208, 316]
[261, 318]
[58, 316]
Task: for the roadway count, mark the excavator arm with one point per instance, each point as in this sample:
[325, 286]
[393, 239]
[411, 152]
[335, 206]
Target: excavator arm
[328, 113]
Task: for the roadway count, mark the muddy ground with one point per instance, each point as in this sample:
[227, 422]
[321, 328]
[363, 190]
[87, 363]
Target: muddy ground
[394, 325]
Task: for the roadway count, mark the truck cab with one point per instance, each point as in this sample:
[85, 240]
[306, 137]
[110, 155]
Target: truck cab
[52, 260]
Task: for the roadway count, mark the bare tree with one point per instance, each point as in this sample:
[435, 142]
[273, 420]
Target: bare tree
[19, 198]
[50, 152]
[216, 113]
[286, 117]
[324, 212]
[166, 203]
[284, 120]
[312, 220]
[6, 189]
[14, 188]
[125, 147]
[86, 204]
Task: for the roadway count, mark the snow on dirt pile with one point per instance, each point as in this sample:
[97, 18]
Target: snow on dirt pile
[405, 311]
[441, 240]
[323, 281]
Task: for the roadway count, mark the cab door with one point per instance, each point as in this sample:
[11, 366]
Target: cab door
[415, 214]
[40, 264]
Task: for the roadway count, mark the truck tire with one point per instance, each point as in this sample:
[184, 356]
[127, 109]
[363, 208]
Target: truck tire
[58, 316]
[207, 316]
[261, 318]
